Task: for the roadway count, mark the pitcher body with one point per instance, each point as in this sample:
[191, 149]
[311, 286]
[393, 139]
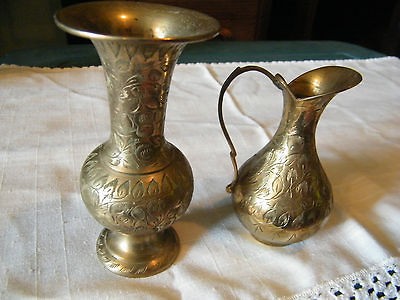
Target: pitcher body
[282, 194]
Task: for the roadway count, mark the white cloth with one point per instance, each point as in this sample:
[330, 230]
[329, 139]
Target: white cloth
[50, 119]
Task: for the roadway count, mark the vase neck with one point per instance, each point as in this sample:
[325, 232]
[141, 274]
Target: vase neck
[138, 77]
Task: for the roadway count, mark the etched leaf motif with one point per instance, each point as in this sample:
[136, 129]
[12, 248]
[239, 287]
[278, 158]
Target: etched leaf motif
[283, 220]
[120, 213]
[167, 186]
[137, 190]
[99, 182]
[138, 213]
[109, 188]
[269, 216]
[277, 187]
[122, 191]
[114, 48]
[153, 188]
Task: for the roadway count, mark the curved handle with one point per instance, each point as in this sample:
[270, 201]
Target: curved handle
[278, 82]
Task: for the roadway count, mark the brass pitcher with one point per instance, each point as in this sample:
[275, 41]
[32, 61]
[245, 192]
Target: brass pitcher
[137, 184]
[282, 194]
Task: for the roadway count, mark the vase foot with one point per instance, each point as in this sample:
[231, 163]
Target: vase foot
[137, 255]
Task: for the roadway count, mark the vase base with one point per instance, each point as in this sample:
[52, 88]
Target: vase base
[137, 255]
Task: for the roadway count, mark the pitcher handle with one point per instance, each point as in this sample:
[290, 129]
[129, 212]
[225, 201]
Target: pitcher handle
[278, 82]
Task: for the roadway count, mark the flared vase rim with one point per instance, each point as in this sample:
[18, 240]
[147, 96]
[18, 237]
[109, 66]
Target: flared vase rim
[66, 17]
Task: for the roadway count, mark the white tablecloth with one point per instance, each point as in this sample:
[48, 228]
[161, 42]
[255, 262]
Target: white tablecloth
[50, 119]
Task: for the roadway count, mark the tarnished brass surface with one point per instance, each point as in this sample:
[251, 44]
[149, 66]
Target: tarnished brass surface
[282, 194]
[137, 184]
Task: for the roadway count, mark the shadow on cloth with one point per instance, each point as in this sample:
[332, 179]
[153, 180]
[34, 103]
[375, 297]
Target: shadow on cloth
[359, 181]
[194, 224]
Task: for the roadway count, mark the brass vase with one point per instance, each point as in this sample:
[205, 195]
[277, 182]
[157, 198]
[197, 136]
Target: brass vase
[137, 184]
[282, 194]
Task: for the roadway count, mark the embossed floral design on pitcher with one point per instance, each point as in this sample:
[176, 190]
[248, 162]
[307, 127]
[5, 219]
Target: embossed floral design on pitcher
[282, 194]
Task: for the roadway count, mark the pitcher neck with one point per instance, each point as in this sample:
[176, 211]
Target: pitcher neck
[300, 117]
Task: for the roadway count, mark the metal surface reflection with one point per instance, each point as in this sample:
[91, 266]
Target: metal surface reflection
[137, 184]
[282, 194]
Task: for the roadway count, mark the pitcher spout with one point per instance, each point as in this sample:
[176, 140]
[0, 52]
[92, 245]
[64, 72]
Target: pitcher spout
[324, 81]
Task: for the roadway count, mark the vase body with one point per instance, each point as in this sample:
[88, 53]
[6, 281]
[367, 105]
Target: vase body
[282, 194]
[137, 184]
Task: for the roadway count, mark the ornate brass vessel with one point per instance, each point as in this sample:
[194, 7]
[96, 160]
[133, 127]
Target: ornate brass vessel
[137, 184]
[282, 194]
